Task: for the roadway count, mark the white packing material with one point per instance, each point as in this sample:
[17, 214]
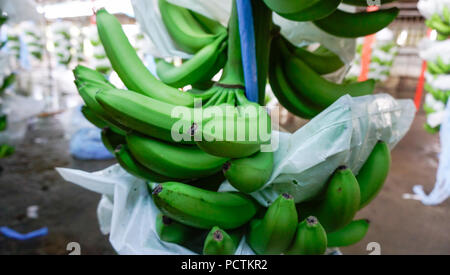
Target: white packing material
[439, 82]
[343, 134]
[430, 50]
[429, 7]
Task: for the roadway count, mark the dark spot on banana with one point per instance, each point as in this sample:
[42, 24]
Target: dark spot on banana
[287, 196]
[294, 182]
[339, 189]
[218, 236]
[166, 220]
[367, 220]
[226, 166]
[158, 189]
[311, 220]
[118, 148]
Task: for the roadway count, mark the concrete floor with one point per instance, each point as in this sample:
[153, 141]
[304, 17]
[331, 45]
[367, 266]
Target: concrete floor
[28, 178]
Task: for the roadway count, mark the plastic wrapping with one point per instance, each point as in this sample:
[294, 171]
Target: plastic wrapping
[344, 133]
[429, 7]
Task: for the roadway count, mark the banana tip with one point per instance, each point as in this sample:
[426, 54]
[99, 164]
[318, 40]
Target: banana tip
[218, 236]
[342, 167]
[226, 166]
[157, 190]
[287, 196]
[311, 220]
[193, 129]
[166, 220]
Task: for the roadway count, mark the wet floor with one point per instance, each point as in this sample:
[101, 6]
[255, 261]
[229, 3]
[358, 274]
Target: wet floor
[69, 212]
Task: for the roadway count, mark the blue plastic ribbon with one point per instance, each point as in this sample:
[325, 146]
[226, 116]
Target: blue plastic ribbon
[247, 34]
[12, 234]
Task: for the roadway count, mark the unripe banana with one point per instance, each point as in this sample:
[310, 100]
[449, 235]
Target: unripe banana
[303, 10]
[92, 118]
[171, 231]
[373, 173]
[132, 166]
[208, 24]
[315, 88]
[235, 133]
[310, 238]
[340, 203]
[201, 208]
[218, 242]
[290, 99]
[352, 25]
[251, 173]
[86, 74]
[321, 62]
[173, 160]
[111, 139]
[130, 68]
[183, 28]
[193, 70]
[274, 233]
[144, 114]
[348, 235]
[87, 93]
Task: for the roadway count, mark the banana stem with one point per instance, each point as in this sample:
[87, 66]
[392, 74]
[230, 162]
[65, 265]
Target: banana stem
[233, 73]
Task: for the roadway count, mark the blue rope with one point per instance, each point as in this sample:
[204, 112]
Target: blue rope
[247, 34]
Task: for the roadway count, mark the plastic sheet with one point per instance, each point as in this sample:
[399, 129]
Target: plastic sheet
[344, 133]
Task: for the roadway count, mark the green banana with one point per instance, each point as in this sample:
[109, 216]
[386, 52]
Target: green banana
[435, 22]
[6, 150]
[193, 70]
[290, 99]
[201, 208]
[348, 235]
[130, 68]
[218, 242]
[444, 67]
[352, 25]
[446, 14]
[132, 166]
[303, 10]
[173, 160]
[340, 204]
[275, 231]
[321, 62]
[208, 24]
[186, 32]
[87, 93]
[171, 231]
[315, 88]
[86, 74]
[373, 173]
[364, 2]
[92, 118]
[310, 238]
[251, 173]
[8, 81]
[237, 133]
[111, 140]
[144, 114]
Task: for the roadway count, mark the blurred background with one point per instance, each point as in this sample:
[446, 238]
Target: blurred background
[46, 39]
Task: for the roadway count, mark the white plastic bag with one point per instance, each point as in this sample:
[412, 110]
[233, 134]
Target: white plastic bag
[429, 7]
[343, 134]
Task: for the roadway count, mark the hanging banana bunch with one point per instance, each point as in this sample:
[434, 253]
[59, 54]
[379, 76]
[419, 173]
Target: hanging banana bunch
[185, 133]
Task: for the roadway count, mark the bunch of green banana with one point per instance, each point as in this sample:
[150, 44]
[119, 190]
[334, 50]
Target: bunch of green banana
[438, 67]
[348, 235]
[200, 208]
[274, 233]
[218, 242]
[310, 238]
[441, 25]
[340, 203]
[303, 10]
[299, 88]
[352, 25]
[184, 29]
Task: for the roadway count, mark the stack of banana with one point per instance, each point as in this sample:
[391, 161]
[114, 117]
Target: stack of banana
[185, 143]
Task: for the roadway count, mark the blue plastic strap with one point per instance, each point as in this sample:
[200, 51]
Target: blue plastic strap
[12, 234]
[247, 34]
